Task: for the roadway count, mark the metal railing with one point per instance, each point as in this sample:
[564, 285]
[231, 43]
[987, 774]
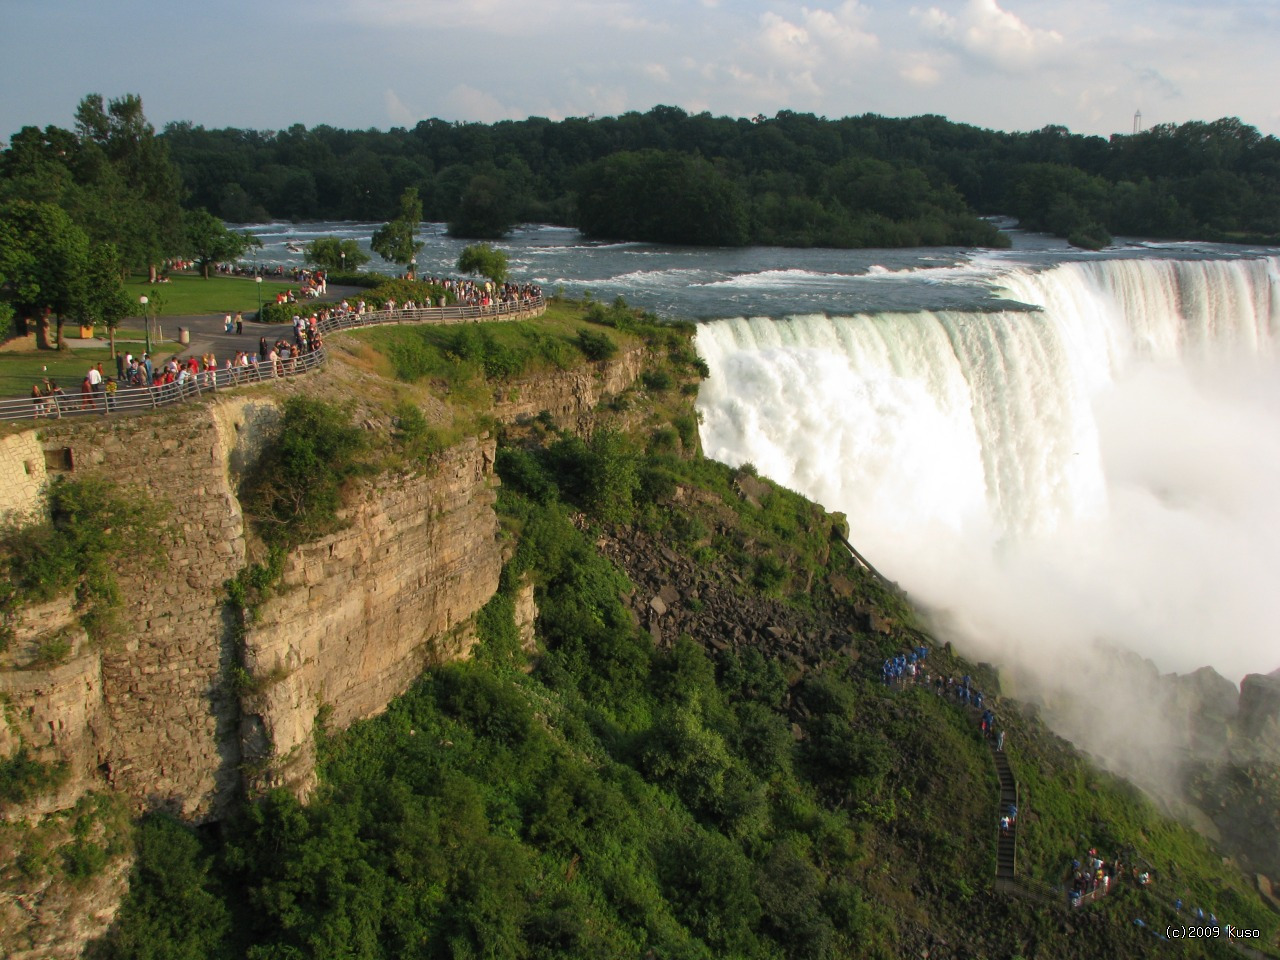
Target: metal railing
[194, 386]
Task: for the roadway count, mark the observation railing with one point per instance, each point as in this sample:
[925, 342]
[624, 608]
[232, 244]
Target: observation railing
[143, 398]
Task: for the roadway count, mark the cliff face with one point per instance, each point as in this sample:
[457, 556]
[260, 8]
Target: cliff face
[362, 612]
[148, 716]
[571, 396]
[157, 715]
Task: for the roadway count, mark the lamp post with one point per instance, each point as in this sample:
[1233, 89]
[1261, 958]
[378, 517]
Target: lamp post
[258, 284]
[146, 321]
[413, 268]
[343, 255]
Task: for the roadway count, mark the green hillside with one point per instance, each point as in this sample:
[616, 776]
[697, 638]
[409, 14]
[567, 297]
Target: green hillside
[725, 777]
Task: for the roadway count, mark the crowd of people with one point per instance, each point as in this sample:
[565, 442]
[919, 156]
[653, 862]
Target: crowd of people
[278, 358]
[1089, 877]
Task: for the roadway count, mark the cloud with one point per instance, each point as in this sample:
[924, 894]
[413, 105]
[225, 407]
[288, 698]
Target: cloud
[505, 17]
[656, 71]
[920, 71]
[989, 35]
[399, 114]
[466, 102]
[816, 36]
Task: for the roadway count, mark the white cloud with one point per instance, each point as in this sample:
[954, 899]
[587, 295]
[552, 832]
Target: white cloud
[817, 36]
[398, 112]
[987, 34]
[656, 71]
[506, 17]
[466, 102]
[920, 71]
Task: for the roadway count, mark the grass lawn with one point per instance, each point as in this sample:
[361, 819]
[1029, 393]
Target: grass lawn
[190, 294]
[18, 371]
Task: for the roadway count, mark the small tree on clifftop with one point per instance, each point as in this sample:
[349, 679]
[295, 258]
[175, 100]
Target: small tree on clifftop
[396, 241]
[482, 259]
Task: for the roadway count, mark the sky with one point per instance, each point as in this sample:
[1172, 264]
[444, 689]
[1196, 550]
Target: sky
[1089, 65]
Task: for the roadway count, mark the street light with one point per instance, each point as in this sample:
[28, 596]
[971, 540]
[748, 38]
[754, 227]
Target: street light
[413, 268]
[146, 321]
[258, 284]
[343, 255]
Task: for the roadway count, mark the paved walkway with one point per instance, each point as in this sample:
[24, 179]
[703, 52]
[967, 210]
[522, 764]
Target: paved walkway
[207, 334]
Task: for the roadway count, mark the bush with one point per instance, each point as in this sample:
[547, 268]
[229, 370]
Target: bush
[596, 346]
[659, 381]
[91, 529]
[295, 490]
[22, 777]
[171, 911]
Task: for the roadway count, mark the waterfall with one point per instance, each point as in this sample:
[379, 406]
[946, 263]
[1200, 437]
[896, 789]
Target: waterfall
[1097, 460]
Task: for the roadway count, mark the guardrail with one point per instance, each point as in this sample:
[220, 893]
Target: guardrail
[136, 399]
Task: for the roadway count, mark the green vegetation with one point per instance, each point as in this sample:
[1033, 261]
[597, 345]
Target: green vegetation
[295, 491]
[185, 294]
[332, 254]
[663, 197]
[59, 854]
[792, 178]
[20, 370]
[92, 529]
[207, 240]
[482, 259]
[397, 241]
[23, 777]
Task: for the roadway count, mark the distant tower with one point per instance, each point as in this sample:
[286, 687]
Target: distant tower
[1137, 122]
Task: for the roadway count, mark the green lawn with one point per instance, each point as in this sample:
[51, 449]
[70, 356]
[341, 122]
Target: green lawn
[18, 371]
[190, 294]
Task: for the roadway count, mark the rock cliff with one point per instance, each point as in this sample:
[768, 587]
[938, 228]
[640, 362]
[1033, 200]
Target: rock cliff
[157, 715]
[362, 612]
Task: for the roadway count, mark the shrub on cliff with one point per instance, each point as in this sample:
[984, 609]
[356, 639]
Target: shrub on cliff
[295, 491]
[91, 528]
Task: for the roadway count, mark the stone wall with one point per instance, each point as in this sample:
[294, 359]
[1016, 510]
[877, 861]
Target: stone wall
[163, 729]
[362, 612]
[22, 475]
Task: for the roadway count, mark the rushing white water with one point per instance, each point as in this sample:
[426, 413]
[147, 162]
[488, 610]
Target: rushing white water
[1103, 467]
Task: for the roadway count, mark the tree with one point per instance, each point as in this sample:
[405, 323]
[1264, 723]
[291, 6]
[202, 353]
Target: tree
[397, 242]
[48, 265]
[661, 197]
[209, 241]
[485, 210]
[482, 259]
[106, 301]
[330, 253]
[136, 183]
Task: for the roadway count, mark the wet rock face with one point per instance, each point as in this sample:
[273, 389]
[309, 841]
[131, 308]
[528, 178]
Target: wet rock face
[1259, 712]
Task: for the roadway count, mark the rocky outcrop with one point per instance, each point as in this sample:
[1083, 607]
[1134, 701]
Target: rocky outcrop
[719, 610]
[157, 714]
[362, 612]
[1259, 704]
[570, 396]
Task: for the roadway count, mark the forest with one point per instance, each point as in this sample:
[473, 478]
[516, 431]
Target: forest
[82, 207]
[793, 179]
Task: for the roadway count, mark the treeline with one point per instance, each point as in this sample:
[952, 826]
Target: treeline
[80, 209]
[794, 179]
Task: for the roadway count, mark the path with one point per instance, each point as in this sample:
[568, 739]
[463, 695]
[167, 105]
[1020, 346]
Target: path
[208, 333]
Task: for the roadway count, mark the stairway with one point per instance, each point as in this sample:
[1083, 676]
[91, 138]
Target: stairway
[1007, 845]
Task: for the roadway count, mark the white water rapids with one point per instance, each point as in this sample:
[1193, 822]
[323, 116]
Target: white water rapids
[1106, 467]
